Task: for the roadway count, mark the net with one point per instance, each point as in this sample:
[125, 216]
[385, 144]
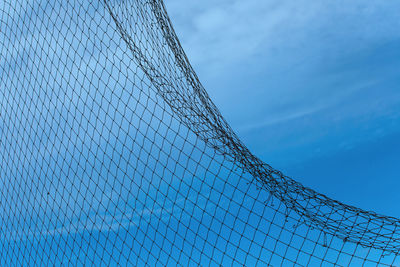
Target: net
[111, 152]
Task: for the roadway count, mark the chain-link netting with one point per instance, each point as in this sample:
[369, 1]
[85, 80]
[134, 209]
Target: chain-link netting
[112, 152]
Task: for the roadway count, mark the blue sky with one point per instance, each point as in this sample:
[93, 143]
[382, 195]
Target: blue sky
[313, 88]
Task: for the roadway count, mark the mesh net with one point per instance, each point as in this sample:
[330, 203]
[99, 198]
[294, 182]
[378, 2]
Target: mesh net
[112, 152]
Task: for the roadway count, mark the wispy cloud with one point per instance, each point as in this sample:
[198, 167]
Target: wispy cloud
[219, 33]
[276, 62]
[100, 222]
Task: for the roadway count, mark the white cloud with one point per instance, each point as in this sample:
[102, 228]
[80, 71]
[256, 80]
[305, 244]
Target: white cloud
[277, 62]
[217, 33]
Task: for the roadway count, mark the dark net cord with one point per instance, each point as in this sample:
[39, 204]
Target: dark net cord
[111, 152]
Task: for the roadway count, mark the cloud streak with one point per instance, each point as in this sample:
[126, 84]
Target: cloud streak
[272, 62]
[302, 80]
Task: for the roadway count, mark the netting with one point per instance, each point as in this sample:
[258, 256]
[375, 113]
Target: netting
[111, 152]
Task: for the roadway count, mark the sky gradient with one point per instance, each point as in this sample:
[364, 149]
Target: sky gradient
[100, 165]
[311, 88]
